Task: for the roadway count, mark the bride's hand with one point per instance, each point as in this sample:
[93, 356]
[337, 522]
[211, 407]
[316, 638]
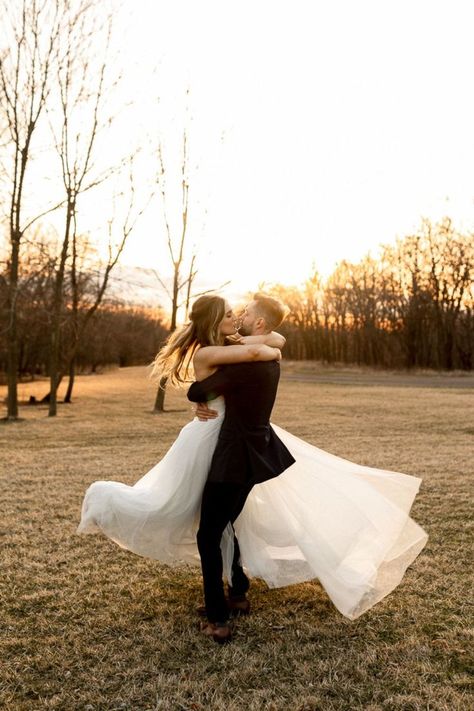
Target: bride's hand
[272, 339]
[235, 339]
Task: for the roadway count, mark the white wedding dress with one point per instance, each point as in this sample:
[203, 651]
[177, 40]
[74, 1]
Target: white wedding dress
[325, 517]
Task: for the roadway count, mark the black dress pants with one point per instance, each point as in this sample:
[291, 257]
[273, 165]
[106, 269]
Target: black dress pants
[222, 502]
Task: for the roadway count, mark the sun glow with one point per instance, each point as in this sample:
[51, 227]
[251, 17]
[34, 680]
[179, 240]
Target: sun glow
[316, 131]
[316, 137]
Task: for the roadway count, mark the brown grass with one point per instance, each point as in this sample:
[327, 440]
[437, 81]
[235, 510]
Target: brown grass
[89, 626]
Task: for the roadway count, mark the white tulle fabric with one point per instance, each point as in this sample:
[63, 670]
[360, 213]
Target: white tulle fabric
[324, 517]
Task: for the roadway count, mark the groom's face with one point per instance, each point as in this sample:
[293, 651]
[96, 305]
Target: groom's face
[251, 322]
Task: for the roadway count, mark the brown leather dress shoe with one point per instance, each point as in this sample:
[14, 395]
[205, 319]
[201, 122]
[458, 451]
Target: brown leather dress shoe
[220, 632]
[238, 606]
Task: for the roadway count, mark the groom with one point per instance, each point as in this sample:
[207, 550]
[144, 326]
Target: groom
[248, 452]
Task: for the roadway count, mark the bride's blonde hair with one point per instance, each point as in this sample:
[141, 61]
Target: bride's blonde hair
[174, 360]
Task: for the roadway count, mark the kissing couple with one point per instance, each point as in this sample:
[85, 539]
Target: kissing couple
[244, 497]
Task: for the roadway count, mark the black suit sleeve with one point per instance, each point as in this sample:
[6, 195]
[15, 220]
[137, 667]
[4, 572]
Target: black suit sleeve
[227, 378]
[218, 383]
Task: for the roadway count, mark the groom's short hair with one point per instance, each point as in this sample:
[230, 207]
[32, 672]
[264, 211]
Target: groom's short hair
[272, 310]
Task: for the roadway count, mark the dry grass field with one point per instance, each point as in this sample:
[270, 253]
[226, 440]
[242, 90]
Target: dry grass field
[88, 626]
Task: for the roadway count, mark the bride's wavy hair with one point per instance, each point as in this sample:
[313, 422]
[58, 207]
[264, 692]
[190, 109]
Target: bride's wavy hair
[174, 360]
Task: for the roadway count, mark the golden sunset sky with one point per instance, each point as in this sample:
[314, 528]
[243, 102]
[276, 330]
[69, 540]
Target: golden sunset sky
[317, 130]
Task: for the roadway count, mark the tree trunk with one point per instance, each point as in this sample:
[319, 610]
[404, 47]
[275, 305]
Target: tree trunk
[53, 371]
[160, 396]
[72, 375]
[57, 307]
[47, 397]
[12, 362]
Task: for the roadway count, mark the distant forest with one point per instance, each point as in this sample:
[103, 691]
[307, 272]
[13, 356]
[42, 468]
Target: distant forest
[412, 306]
[96, 330]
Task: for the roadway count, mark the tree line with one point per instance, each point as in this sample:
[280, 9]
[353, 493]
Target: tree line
[412, 306]
[96, 330]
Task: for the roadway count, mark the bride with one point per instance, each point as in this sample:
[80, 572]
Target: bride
[324, 517]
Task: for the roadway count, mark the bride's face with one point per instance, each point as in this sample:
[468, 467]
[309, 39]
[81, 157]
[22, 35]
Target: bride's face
[227, 326]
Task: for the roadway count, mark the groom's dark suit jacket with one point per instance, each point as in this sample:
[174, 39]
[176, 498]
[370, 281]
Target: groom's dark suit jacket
[248, 450]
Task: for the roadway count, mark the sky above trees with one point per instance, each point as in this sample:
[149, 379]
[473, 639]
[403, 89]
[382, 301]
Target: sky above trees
[320, 129]
[316, 131]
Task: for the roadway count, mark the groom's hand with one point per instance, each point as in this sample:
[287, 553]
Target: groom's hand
[204, 413]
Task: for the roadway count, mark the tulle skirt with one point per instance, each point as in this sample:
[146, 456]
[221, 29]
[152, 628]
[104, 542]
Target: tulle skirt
[324, 518]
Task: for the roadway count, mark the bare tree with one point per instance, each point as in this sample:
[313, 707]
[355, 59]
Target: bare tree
[176, 249]
[81, 316]
[182, 282]
[81, 89]
[31, 31]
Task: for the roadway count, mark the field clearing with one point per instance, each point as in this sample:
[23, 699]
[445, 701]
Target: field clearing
[88, 626]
